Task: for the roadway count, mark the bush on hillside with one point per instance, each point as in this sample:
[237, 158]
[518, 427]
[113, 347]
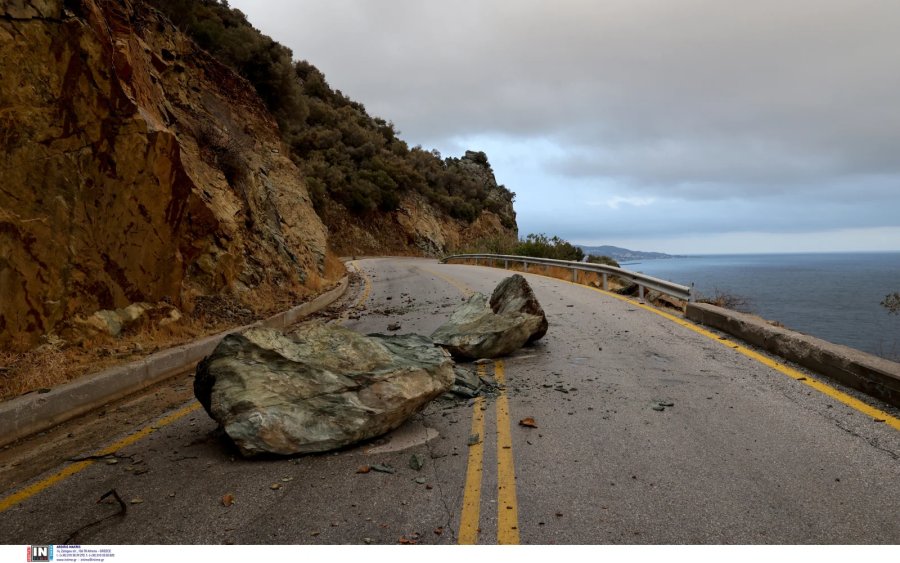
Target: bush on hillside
[542, 246]
[594, 259]
[346, 155]
[726, 300]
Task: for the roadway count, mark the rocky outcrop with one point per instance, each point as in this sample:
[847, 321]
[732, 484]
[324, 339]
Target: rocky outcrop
[418, 228]
[489, 329]
[319, 388]
[139, 169]
[135, 169]
[114, 322]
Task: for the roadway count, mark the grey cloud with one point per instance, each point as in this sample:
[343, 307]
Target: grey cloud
[789, 103]
[814, 79]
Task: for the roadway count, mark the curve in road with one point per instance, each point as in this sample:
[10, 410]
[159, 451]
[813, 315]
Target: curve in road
[646, 432]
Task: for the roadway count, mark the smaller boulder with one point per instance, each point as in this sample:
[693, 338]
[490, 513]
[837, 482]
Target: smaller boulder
[514, 295]
[115, 322]
[490, 329]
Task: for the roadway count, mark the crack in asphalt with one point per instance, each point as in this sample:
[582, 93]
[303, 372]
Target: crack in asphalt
[871, 441]
[836, 420]
[437, 482]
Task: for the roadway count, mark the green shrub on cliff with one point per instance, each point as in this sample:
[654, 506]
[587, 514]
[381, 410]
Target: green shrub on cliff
[594, 259]
[348, 157]
[542, 246]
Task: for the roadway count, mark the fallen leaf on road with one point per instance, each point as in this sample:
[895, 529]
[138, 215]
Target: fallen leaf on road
[666, 404]
[473, 440]
[383, 468]
[137, 500]
[228, 500]
[363, 469]
[420, 480]
[275, 486]
[658, 408]
[439, 531]
[528, 422]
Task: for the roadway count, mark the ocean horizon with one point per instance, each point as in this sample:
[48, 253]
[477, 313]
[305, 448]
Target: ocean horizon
[835, 296]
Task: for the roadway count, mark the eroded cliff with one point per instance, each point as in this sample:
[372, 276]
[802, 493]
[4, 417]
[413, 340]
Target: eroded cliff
[416, 227]
[136, 168]
[139, 169]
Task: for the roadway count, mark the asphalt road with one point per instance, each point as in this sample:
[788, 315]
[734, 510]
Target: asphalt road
[744, 454]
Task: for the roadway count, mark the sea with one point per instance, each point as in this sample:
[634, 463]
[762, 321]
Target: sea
[835, 297]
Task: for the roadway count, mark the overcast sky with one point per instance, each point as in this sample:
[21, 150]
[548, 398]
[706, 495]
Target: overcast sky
[689, 126]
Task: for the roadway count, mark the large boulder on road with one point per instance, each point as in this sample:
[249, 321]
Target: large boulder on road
[489, 329]
[317, 388]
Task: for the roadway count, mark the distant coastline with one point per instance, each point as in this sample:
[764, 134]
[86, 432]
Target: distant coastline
[624, 255]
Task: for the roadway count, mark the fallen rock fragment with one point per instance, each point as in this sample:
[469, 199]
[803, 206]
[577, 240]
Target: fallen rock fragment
[318, 388]
[416, 461]
[482, 328]
[466, 383]
[114, 322]
[383, 468]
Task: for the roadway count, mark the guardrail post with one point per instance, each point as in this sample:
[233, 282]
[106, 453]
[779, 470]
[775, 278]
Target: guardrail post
[524, 265]
[505, 264]
[691, 294]
[574, 275]
[605, 282]
[641, 292]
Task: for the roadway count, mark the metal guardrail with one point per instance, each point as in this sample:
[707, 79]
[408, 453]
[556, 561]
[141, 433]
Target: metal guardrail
[643, 281]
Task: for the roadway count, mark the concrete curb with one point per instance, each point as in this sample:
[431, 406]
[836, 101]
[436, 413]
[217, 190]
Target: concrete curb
[33, 413]
[870, 374]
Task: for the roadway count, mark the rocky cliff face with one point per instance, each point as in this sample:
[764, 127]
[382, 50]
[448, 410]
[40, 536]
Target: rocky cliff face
[417, 228]
[135, 169]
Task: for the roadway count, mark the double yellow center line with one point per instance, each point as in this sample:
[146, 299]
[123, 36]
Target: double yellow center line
[507, 507]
